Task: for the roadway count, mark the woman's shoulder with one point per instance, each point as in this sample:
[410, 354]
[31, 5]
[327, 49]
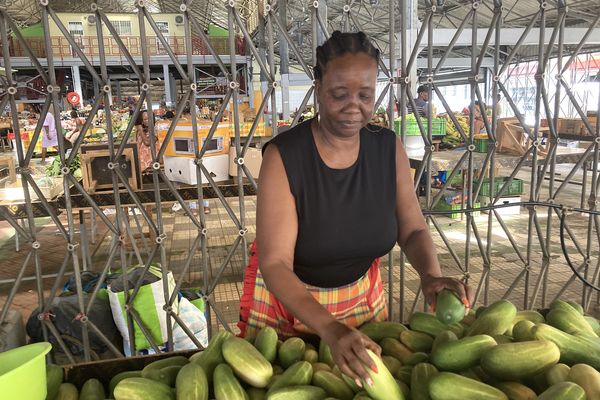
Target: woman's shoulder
[292, 137]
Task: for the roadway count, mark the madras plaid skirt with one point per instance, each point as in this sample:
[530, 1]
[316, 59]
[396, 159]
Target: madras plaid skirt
[354, 304]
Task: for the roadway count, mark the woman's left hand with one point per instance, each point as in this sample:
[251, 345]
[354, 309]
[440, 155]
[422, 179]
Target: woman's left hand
[433, 285]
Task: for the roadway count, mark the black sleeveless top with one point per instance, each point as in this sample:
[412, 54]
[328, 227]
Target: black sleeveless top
[346, 217]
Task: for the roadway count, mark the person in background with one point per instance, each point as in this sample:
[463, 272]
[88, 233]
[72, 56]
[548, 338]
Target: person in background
[498, 106]
[421, 101]
[49, 135]
[142, 137]
[169, 114]
[337, 194]
[77, 124]
[479, 122]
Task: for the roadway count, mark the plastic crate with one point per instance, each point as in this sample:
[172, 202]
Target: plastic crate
[514, 188]
[438, 127]
[481, 145]
[442, 206]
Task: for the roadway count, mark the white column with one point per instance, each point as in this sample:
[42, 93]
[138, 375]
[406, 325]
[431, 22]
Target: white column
[77, 82]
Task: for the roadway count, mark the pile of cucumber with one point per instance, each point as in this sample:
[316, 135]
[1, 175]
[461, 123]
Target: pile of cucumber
[495, 353]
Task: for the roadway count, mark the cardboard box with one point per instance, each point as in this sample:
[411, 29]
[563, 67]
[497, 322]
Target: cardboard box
[96, 174]
[183, 169]
[252, 160]
[570, 126]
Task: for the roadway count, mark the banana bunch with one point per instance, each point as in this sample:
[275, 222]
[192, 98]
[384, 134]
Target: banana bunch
[453, 138]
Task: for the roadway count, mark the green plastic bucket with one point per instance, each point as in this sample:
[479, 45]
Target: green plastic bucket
[23, 372]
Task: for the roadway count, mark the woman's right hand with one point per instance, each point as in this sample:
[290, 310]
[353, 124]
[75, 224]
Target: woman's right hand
[348, 348]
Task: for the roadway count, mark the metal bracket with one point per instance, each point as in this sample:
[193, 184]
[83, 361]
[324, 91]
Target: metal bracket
[168, 308]
[183, 8]
[145, 87]
[12, 90]
[392, 80]
[141, 3]
[430, 79]
[233, 85]
[24, 170]
[106, 89]
[112, 165]
[243, 232]
[65, 170]
[94, 7]
[156, 166]
[203, 231]
[433, 9]
[476, 5]
[193, 87]
[315, 4]
[230, 4]
[543, 5]
[471, 148]
[44, 3]
[161, 238]
[198, 161]
[597, 140]
[346, 8]
[268, 8]
[274, 85]
[36, 245]
[72, 246]
[239, 161]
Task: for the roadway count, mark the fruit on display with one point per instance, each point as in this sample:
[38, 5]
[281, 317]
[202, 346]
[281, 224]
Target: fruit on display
[449, 309]
[497, 353]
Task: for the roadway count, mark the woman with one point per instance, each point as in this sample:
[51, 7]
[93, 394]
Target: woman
[335, 194]
[142, 138]
[77, 124]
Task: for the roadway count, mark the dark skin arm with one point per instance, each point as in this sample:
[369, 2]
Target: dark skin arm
[277, 218]
[415, 239]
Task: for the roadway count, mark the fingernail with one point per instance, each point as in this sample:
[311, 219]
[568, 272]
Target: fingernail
[466, 303]
[374, 368]
[358, 383]
[369, 382]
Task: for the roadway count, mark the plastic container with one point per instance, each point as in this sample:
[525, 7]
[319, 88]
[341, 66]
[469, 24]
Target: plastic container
[515, 187]
[438, 127]
[23, 372]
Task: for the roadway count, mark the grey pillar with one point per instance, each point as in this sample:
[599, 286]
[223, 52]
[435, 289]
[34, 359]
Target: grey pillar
[263, 56]
[77, 82]
[284, 63]
[411, 22]
[118, 90]
[167, 79]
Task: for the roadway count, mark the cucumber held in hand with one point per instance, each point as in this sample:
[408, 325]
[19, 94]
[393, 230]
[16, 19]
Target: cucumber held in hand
[449, 309]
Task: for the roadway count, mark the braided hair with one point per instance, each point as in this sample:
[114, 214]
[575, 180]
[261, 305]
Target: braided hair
[342, 43]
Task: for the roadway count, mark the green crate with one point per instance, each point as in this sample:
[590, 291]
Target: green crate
[443, 206]
[514, 188]
[481, 145]
[438, 127]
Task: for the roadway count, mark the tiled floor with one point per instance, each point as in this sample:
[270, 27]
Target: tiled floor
[506, 267]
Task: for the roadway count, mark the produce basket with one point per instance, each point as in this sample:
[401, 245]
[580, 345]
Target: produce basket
[438, 126]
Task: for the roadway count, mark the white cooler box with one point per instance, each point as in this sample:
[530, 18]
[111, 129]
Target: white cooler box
[516, 210]
[183, 169]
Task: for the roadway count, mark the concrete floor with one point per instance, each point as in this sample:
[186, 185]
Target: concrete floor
[506, 267]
